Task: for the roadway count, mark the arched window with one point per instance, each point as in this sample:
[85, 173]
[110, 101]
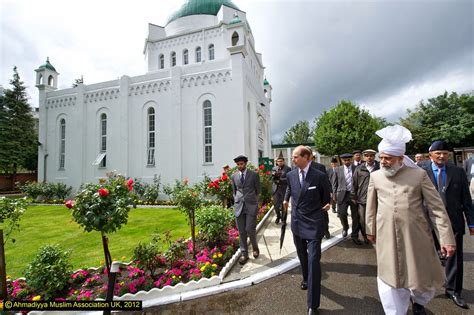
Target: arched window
[62, 143]
[198, 54]
[151, 137]
[103, 139]
[173, 59]
[207, 122]
[211, 52]
[50, 80]
[235, 38]
[41, 79]
[162, 61]
[185, 57]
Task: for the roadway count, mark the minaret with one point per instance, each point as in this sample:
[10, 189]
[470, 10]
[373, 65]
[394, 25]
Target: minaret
[46, 81]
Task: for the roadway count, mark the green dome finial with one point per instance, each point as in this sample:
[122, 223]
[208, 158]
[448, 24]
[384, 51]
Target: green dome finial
[265, 82]
[47, 65]
[197, 7]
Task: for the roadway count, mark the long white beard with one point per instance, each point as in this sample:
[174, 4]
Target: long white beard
[391, 171]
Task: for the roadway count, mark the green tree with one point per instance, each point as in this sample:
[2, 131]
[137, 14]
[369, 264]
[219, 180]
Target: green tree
[299, 133]
[19, 144]
[447, 117]
[346, 127]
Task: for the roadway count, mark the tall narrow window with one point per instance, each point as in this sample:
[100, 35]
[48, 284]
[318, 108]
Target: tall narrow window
[207, 112]
[103, 139]
[235, 38]
[185, 57]
[198, 54]
[151, 137]
[211, 52]
[62, 143]
[173, 59]
[162, 61]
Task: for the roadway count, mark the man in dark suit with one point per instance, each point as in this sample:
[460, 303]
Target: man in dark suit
[451, 182]
[310, 196]
[360, 184]
[342, 189]
[332, 176]
[246, 188]
[279, 185]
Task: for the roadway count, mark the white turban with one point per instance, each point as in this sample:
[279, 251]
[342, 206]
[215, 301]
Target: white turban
[394, 139]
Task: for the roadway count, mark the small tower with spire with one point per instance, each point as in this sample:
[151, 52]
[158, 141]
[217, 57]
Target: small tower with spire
[267, 89]
[46, 77]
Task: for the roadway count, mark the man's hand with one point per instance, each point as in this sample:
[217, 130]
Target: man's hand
[471, 231]
[371, 238]
[448, 250]
[327, 207]
[285, 205]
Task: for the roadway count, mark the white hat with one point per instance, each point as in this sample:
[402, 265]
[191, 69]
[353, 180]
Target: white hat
[394, 139]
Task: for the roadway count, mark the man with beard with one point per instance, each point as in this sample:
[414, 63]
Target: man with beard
[360, 183]
[453, 188]
[407, 264]
[246, 188]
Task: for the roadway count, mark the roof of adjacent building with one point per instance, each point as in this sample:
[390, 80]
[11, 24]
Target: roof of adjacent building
[196, 7]
[47, 65]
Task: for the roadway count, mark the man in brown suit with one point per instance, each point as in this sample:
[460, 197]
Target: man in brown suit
[407, 265]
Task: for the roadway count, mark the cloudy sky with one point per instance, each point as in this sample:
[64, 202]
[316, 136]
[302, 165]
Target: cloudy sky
[384, 55]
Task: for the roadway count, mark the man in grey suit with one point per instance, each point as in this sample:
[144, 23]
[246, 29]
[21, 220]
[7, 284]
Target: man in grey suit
[279, 185]
[342, 189]
[246, 188]
[332, 177]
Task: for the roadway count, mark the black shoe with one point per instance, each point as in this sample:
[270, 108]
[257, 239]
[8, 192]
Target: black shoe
[277, 220]
[256, 253]
[356, 241]
[304, 285]
[458, 300]
[418, 309]
[243, 260]
[312, 311]
[327, 235]
[344, 233]
[366, 241]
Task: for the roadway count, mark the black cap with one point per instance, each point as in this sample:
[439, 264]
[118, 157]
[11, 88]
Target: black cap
[356, 151]
[241, 158]
[334, 159]
[439, 145]
[346, 156]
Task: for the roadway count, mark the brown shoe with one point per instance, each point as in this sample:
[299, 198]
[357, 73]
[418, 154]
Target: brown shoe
[243, 260]
[256, 253]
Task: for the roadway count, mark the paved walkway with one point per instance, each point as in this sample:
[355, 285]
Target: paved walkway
[269, 244]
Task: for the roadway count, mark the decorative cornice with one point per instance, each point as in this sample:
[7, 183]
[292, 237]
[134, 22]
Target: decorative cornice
[101, 95]
[208, 78]
[58, 102]
[150, 87]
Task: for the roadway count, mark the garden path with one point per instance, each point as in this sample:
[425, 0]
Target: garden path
[269, 244]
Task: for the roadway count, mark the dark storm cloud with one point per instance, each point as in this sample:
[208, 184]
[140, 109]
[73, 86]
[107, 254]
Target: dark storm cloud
[357, 50]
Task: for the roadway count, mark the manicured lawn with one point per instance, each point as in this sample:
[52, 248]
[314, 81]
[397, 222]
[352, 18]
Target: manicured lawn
[42, 225]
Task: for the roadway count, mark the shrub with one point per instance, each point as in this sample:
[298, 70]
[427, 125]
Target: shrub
[47, 191]
[213, 222]
[49, 272]
[60, 190]
[10, 212]
[148, 258]
[31, 189]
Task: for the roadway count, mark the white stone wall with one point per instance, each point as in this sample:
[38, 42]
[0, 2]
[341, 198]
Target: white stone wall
[233, 83]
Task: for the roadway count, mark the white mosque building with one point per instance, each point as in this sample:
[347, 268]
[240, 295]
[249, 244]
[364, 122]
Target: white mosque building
[203, 101]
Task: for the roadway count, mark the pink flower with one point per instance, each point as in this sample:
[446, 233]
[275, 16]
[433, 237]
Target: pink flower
[131, 287]
[69, 203]
[261, 167]
[130, 184]
[103, 192]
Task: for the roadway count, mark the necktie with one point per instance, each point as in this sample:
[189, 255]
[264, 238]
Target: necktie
[302, 178]
[440, 180]
[242, 178]
[349, 179]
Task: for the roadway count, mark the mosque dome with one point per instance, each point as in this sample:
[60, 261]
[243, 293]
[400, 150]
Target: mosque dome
[201, 7]
[47, 65]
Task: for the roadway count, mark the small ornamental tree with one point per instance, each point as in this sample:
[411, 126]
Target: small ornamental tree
[221, 188]
[103, 207]
[188, 200]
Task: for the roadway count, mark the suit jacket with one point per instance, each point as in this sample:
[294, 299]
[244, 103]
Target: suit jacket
[468, 164]
[246, 195]
[332, 176]
[307, 216]
[360, 182]
[458, 197]
[339, 187]
[320, 167]
[279, 182]
[395, 215]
